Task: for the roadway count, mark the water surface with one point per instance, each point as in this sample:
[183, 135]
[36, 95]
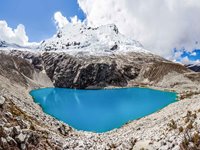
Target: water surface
[101, 110]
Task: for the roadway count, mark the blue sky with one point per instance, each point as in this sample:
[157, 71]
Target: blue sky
[188, 57]
[37, 15]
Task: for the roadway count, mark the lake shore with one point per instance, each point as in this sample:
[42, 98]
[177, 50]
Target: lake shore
[151, 131]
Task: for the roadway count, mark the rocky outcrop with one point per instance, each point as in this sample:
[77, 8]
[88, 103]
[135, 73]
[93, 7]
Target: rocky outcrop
[23, 68]
[156, 71]
[33, 58]
[93, 71]
[15, 69]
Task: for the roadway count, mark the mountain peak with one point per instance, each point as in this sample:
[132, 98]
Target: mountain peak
[79, 38]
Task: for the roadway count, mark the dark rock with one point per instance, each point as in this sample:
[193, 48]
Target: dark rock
[2, 132]
[3, 143]
[64, 130]
[23, 146]
[3, 44]
[33, 138]
[9, 115]
[16, 130]
[59, 34]
[11, 142]
[114, 47]
[115, 29]
[21, 123]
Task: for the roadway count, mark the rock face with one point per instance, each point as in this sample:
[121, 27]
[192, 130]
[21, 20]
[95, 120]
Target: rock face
[24, 68]
[118, 70]
[99, 72]
[93, 71]
[13, 68]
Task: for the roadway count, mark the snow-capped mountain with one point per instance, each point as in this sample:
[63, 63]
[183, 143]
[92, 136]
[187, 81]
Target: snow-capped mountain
[10, 45]
[81, 39]
[4, 45]
[194, 67]
[79, 56]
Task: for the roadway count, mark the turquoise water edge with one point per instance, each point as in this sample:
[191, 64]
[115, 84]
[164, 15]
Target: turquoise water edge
[101, 110]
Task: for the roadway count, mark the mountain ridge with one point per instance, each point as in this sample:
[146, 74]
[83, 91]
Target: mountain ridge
[194, 67]
[79, 39]
[83, 57]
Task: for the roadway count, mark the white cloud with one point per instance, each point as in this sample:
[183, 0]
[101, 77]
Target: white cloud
[185, 60]
[17, 36]
[158, 25]
[75, 20]
[177, 55]
[193, 54]
[61, 21]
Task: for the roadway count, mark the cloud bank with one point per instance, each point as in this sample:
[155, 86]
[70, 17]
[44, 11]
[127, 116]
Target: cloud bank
[61, 21]
[17, 36]
[159, 25]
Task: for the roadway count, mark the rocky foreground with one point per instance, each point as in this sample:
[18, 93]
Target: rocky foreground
[24, 125]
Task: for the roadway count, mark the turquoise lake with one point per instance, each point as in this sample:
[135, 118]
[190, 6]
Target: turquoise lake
[101, 110]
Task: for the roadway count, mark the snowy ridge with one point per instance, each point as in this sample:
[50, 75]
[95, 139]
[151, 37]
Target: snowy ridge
[84, 40]
[4, 44]
[12, 46]
[194, 64]
[194, 67]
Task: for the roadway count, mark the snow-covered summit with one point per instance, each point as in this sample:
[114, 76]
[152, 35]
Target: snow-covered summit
[81, 39]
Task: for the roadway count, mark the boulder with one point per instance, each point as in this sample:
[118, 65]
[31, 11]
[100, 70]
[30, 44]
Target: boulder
[20, 138]
[16, 130]
[2, 101]
[11, 141]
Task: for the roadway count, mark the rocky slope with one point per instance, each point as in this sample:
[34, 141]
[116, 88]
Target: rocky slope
[103, 58]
